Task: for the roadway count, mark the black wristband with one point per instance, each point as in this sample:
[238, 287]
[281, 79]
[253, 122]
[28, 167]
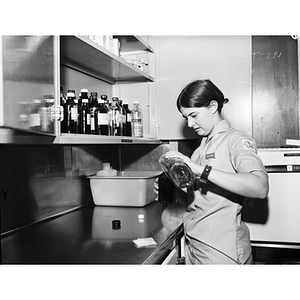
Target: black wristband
[205, 173]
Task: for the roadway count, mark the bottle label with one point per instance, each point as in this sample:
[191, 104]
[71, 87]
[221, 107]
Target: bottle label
[88, 119]
[102, 119]
[137, 129]
[129, 118]
[74, 114]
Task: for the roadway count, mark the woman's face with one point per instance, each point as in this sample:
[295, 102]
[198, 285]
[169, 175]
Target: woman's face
[201, 119]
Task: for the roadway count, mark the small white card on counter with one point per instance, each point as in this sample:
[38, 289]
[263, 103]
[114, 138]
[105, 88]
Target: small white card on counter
[145, 242]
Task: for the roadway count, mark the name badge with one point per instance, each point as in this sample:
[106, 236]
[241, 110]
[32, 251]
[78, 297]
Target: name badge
[210, 156]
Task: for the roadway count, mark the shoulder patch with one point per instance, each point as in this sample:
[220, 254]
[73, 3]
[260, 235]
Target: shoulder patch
[248, 145]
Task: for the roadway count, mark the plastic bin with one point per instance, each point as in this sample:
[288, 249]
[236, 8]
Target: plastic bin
[128, 188]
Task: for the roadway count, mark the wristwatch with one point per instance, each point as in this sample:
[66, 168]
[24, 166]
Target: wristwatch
[205, 173]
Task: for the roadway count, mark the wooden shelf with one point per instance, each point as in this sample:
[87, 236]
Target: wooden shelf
[84, 55]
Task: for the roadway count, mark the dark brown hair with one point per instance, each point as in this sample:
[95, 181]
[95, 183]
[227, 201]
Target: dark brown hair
[200, 93]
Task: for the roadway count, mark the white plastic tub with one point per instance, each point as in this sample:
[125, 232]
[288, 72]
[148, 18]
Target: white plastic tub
[128, 188]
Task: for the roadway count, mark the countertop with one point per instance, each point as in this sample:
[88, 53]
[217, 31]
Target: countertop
[86, 236]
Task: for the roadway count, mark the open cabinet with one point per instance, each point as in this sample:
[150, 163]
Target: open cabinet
[86, 64]
[33, 68]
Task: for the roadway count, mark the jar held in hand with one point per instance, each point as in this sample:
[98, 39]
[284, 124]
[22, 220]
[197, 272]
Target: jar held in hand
[177, 170]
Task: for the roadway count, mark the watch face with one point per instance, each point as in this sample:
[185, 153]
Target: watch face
[206, 172]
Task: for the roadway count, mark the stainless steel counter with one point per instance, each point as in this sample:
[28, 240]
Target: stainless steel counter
[86, 236]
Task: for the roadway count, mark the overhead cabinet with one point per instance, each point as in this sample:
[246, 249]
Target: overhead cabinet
[33, 69]
[86, 64]
[258, 74]
[27, 88]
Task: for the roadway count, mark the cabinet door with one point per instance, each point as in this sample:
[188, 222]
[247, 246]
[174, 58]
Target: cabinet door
[275, 90]
[226, 60]
[27, 82]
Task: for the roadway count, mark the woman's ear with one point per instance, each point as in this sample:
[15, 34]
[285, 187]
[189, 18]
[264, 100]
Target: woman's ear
[213, 106]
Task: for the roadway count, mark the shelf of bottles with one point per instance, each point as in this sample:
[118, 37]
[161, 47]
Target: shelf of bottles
[94, 56]
[85, 55]
[90, 118]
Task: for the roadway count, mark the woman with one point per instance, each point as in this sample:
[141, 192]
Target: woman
[229, 170]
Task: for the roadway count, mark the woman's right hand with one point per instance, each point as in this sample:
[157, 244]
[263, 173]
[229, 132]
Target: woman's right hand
[196, 169]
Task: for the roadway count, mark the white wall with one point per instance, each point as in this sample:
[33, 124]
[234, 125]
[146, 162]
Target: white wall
[226, 60]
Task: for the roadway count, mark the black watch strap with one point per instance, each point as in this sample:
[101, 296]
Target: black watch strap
[205, 173]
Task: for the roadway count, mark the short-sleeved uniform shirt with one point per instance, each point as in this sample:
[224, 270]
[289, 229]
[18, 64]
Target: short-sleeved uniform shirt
[213, 216]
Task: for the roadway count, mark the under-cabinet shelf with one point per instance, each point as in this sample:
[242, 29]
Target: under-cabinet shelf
[69, 138]
[86, 56]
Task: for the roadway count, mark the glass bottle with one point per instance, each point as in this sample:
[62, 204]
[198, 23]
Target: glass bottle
[122, 118]
[62, 103]
[62, 96]
[93, 112]
[102, 117]
[137, 120]
[76, 113]
[70, 121]
[110, 118]
[24, 114]
[177, 170]
[128, 119]
[115, 118]
[46, 122]
[35, 115]
[84, 113]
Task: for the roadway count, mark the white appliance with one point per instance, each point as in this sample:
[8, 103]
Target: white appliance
[278, 224]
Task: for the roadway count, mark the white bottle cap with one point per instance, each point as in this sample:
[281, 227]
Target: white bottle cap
[106, 166]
